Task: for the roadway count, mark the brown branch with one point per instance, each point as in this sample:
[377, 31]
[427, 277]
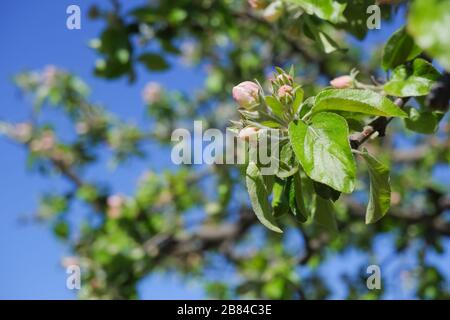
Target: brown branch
[67, 172]
[376, 126]
[219, 237]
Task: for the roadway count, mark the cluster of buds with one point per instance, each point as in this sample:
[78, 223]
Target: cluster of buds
[271, 12]
[257, 109]
[152, 93]
[283, 86]
[247, 96]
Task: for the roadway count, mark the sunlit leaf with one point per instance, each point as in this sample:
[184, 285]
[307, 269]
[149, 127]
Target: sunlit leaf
[356, 100]
[323, 150]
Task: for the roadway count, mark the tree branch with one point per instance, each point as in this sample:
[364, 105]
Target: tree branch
[376, 126]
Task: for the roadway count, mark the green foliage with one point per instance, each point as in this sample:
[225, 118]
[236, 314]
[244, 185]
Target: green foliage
[157, 228]
[355, 100]
[425, 122]
[259, 197]
[399, 49]
[323, 150]
[412, 81]
[324, 9]
[324, 215]
[429, 25]
[380, 189]
[154, 62]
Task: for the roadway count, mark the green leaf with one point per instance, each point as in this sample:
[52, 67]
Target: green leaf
[326, 192]
[429, 25]
[154, 62]
[325, 42]
[412, 82]
[286, 166]
[324, 215]
[299, 94]
[269, 124]
[399, 49]
[296, 198]
[356, 100]
[306, 106]
[324, 9]
[380, 189]
[425, 122]
[275, 106]
[279, 200]
[323, 150]
[259, 197]
[61, 229]
[308, 193]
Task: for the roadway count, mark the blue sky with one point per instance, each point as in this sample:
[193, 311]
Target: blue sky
[34, 34]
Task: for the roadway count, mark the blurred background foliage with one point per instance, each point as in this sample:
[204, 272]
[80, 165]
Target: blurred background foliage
[194, 219]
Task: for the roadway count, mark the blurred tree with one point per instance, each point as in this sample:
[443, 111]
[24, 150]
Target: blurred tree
[130, 236]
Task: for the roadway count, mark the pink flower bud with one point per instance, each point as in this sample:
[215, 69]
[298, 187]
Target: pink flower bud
[342, 82]
[273, 11]
[285, 90]
[247, 132]
[246, 93]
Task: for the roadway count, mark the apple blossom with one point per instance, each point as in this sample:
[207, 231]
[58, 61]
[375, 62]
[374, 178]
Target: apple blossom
[246, 93]
[342, 82]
